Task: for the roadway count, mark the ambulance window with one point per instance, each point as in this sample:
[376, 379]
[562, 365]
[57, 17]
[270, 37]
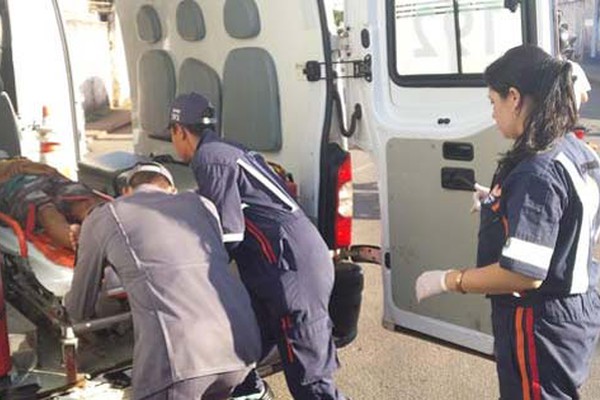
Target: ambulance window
[449, 42]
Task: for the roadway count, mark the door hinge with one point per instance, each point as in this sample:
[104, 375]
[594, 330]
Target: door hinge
[360, 69]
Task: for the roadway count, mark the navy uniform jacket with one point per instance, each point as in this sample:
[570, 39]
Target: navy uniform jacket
[255, 209]
[543, 219]
[191, 316]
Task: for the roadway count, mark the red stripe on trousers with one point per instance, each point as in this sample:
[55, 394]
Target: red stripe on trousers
[262, 240]
[520, 347]
[535, 376]
[286, 324]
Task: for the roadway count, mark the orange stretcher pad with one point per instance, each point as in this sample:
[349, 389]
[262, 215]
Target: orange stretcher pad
[51, 265]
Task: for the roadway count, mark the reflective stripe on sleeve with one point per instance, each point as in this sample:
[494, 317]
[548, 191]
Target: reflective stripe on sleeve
[530, 253]
[587, 191]
[268, 184]
[233, 237]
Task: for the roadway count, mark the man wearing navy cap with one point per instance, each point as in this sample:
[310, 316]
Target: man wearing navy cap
[196, 336]
[282, 259]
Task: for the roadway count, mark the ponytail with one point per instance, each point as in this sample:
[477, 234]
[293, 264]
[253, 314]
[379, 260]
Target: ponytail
[548, 83]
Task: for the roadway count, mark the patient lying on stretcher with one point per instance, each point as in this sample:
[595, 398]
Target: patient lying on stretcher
[39, 197]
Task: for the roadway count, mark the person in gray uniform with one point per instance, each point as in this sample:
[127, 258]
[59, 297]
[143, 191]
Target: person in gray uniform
[196, 336]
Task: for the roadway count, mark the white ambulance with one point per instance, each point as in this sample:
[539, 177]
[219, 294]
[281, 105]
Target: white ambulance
[403, 80]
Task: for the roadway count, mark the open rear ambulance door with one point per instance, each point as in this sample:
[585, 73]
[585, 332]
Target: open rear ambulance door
[36, 74]
[247, 57]
[427, 120]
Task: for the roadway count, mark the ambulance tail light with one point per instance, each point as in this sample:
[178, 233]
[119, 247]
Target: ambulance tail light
[344, 205]
[336, 203]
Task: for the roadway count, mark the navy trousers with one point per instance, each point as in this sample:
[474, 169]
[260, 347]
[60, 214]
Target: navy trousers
[544, 348]
[289, 274]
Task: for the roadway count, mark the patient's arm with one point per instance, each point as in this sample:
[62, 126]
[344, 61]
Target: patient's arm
[55, 225]
[81, 300]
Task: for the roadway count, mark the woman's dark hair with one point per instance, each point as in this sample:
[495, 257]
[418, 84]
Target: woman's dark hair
[548, 83]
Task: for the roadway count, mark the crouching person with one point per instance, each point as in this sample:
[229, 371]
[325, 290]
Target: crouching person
[196, 336]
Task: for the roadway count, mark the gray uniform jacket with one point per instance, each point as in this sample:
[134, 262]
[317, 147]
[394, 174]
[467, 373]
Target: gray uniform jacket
[191, 316]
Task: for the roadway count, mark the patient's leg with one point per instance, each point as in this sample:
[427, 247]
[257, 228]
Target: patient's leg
[55, 225]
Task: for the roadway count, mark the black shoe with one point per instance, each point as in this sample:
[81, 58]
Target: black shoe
[266, 394]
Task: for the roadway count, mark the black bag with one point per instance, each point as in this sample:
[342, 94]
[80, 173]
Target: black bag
[345, 302]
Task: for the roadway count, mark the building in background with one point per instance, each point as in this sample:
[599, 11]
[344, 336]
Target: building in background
[582, 18]
[97, 56]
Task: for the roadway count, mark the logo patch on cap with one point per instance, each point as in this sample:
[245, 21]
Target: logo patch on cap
[175, 114]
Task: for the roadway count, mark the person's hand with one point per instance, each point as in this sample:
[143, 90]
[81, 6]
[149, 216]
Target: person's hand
[480, 193]
[431, 283]
[74, 231]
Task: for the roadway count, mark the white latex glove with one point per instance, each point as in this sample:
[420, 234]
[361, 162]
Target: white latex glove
[431, 283]
[480, 193]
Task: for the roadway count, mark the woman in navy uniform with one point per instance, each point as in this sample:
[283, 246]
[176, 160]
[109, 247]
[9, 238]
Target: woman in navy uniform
[282, 259]
[539, 223]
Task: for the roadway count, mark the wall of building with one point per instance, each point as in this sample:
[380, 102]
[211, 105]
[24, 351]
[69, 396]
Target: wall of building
[97, 57]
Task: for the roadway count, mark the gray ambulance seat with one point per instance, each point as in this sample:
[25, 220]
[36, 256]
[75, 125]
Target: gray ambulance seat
[148, 24]
[156, 91]
[190, 21]
[196, 76]
[99, 171]
[241, 18]
[103, 171]
[251, 109]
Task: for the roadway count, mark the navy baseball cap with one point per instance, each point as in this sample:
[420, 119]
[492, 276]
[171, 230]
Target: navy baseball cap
[150, 166]
[192, 109]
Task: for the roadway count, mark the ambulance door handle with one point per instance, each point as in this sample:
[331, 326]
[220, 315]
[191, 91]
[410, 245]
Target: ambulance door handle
[460, 151]
[458, 178]
[354, 118]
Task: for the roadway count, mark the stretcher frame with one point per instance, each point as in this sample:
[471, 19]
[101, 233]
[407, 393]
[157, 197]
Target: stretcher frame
[24, 291]
[22, 288]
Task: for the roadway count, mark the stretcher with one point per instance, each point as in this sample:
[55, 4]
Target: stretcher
[38, 274]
